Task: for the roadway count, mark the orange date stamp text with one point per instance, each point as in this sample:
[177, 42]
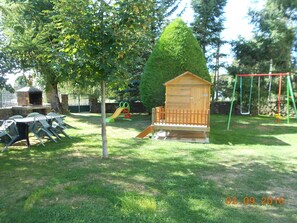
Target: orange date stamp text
[250, 200]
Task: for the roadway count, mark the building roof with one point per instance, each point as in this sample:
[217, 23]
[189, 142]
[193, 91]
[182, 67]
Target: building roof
[187, 73]
[29, 89]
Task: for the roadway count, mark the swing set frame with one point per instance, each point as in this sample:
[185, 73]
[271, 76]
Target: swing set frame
[289, 94]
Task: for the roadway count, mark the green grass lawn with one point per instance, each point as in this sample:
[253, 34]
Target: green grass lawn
[154, 181]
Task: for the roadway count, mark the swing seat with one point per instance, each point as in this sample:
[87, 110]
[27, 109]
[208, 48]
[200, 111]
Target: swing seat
[248, 112]
[245, 113]
[279, 117]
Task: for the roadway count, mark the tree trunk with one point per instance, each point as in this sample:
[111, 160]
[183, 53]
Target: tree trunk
[214, 86]
[103, 116]
[217, 71]
[94, 105]
[53, 97]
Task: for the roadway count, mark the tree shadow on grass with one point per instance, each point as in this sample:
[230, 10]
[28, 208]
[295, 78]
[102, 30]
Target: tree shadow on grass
[251, 131]
[190, 197]
[21, 151]
[250, 138]
[139, 183]
[138, 122]
[179, 190]
[177, 186]
[244, 130]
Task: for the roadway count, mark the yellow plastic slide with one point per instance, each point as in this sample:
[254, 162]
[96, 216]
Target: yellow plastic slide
[115, 115]
[145, 132]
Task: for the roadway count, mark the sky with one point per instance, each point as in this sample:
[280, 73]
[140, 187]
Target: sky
[237, 22]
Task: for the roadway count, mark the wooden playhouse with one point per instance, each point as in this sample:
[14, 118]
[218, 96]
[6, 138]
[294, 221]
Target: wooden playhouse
[186, 113]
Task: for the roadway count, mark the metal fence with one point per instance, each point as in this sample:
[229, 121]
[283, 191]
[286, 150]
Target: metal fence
[7, 99]
[78, 100]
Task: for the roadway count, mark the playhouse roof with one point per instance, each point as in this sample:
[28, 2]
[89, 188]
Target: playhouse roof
[187, 73]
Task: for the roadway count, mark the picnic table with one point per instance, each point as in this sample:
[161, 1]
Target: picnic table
[22, 125]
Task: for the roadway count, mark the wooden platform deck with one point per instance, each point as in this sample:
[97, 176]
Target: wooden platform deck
[180, 127]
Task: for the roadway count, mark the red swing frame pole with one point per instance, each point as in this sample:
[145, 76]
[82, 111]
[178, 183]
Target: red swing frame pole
[261, 75]
[279, 95]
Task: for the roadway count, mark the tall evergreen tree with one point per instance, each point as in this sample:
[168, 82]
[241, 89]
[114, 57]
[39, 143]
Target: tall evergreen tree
[208, 22]
[176, 51]
[207, 27]
[161, 10]
[289, 7]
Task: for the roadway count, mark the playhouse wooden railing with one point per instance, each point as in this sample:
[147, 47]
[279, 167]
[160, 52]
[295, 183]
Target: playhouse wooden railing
[163, 116]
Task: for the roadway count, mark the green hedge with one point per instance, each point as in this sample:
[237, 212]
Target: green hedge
[176, 51]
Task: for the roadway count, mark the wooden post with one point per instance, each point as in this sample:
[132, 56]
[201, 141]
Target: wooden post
[153, 115]
[208, 118]
[279, 95]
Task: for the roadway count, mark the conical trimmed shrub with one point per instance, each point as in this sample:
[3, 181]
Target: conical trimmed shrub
[176, 51]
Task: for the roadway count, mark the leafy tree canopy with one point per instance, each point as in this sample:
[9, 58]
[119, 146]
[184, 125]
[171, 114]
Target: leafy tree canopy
[99, 40]
[274, 39]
